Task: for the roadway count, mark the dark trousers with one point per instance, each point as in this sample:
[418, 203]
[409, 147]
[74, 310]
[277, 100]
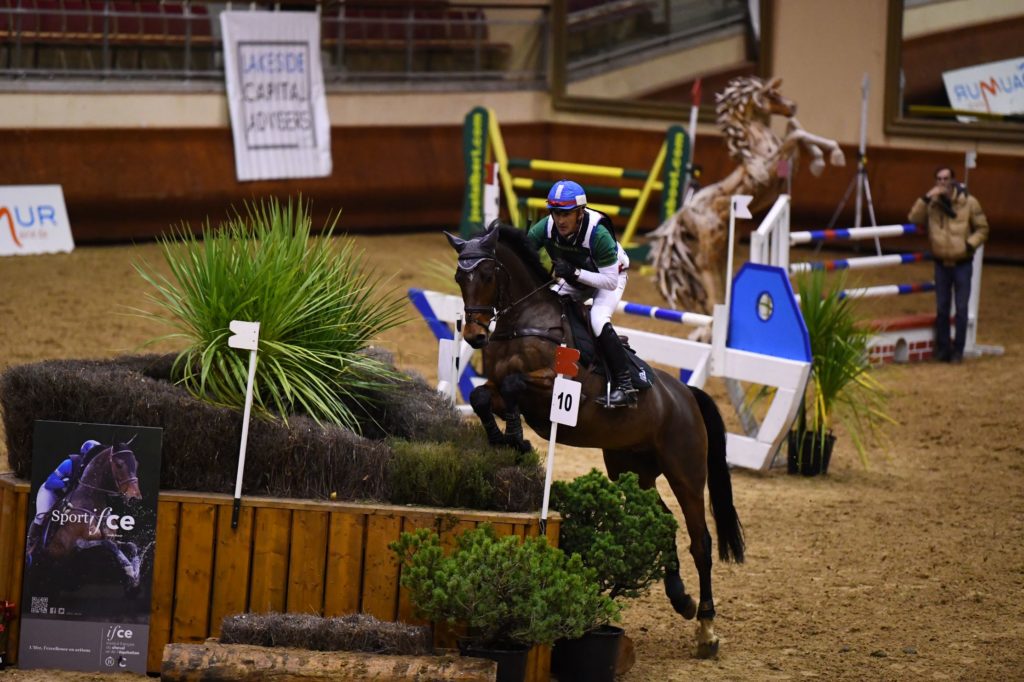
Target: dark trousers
[952, 282]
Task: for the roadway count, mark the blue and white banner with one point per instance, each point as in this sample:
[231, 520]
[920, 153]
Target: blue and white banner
[33, 219]
[275, 88]
[993, 88]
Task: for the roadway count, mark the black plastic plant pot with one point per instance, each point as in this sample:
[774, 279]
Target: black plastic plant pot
[511, 658]
[809, 458]
[591, 658]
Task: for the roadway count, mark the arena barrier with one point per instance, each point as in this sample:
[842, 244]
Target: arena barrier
[764, 341]
[484, 152]
[903, 339]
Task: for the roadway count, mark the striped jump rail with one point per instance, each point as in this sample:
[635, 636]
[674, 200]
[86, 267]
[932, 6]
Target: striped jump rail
[608, 209]
[888, 290]
[860, 263]
[666, 314]
[853, 233]
[631, 193]
[577, 168]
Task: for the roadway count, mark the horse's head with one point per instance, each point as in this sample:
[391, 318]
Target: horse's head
[748, 100]
[124, 469]
[477, 277]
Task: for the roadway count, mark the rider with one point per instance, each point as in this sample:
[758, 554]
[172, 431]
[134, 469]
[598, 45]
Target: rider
[590, 262]
[56, 486]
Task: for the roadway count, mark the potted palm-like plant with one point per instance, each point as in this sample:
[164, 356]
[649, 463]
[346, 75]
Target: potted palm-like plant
[840, 385]
[509, 594]
[624, 534]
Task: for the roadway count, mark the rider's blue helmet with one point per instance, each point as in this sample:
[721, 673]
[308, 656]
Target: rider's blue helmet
[87, 446]
[565, 195]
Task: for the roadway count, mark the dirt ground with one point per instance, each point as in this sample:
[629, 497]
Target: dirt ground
[909, 569]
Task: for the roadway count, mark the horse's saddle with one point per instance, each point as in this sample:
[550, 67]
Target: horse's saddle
[583, 338]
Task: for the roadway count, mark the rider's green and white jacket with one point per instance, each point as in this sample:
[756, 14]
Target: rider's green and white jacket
[593, 249]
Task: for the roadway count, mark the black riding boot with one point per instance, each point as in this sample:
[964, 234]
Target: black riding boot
[623, 394]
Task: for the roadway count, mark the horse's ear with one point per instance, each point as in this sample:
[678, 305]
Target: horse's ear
[490, 237]
[775, 84]
[457, 244]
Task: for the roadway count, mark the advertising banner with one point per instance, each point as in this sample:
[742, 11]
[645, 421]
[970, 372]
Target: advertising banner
[275, 88]
[89, 548]
[33, 219]
[993, 88]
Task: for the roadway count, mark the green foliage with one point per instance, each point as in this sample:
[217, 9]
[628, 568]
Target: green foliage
[618, 529]
[316, 307]
[461, 473]
[503, 590]
[841, 384]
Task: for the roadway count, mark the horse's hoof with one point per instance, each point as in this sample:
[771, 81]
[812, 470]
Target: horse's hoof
[707, 649]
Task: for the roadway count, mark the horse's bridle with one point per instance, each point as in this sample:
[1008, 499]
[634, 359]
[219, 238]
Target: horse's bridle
[492, 310]
[119, 483]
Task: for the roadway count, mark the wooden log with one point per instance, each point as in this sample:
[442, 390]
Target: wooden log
[248, 663]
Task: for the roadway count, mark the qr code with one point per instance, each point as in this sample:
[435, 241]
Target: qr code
[40, 604]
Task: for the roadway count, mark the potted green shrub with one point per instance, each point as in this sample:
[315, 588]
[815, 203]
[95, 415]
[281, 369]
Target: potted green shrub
[508, 594]
[627, 538]
[840, 384]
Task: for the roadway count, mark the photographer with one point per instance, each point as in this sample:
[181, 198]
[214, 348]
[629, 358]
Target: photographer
[956, 227]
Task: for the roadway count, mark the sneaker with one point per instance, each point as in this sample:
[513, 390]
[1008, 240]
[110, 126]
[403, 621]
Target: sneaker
[940, 356]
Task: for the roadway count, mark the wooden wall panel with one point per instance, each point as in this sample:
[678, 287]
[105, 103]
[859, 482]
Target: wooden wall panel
[380, 567]
[134, 184]
[162, 604]
[232, 564]
[193, 581]
[269, 585]
[345, 541]
[307, 562]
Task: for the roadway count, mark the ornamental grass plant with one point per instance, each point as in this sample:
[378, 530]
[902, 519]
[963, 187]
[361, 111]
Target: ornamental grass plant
[317, 308]
[841, 386]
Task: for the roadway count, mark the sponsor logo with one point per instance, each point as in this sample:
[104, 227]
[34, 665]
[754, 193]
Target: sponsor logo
[30, 221]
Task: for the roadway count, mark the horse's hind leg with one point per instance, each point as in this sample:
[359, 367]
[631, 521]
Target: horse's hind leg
[692, 503]
[647, 471]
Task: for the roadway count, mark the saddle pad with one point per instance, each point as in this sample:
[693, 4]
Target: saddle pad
[641, 372]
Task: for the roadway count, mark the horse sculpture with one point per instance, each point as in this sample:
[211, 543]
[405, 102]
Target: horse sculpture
[83, 518]
[688, 251]
[676, 431]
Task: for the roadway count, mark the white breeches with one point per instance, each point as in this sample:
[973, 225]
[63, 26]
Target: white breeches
[45, 499]
[605, 303]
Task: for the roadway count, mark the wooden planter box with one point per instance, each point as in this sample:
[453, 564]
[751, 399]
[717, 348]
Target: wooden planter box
[329, 558]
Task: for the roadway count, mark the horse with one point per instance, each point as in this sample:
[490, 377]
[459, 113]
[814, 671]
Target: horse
[676, 430]
[688, 250]
[84, 520]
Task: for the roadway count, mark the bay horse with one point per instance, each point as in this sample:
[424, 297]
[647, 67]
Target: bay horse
[84, 518]
[676, 430]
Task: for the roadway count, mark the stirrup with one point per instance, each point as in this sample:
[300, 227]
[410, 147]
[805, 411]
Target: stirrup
[629, 398]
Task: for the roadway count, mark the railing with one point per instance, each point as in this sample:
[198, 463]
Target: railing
[404, 42]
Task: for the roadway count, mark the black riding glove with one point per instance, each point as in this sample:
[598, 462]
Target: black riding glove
[566, 271]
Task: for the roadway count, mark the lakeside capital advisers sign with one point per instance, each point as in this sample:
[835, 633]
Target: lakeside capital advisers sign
[33, 219]
[275, 88]
[87, 585]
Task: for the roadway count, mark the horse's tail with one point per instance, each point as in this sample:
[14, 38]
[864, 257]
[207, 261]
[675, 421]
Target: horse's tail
[727, 523]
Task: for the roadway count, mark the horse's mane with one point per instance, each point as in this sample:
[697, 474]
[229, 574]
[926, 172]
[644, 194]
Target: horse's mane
[733, 108]
[516, 240]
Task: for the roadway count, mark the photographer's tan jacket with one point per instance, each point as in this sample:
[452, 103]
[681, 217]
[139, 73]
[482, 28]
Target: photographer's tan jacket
[951, 235]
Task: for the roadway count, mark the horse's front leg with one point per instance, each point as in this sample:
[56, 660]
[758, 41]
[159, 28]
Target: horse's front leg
[483, 400]
[512, 387]
[131, 569]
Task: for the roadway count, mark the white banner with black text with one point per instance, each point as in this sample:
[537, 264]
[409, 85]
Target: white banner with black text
[275, 88]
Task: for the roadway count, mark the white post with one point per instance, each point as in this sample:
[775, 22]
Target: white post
[565, 408]
[738, 208]
[456, 357]
[246, 336]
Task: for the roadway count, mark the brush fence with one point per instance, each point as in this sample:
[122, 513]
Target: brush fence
[297, 556]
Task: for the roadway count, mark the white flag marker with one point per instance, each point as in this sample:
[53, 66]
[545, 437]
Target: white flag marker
[246, 336]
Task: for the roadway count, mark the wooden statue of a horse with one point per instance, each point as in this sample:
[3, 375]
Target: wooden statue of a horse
[676, 431]
[689, 250]
[84, 516]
